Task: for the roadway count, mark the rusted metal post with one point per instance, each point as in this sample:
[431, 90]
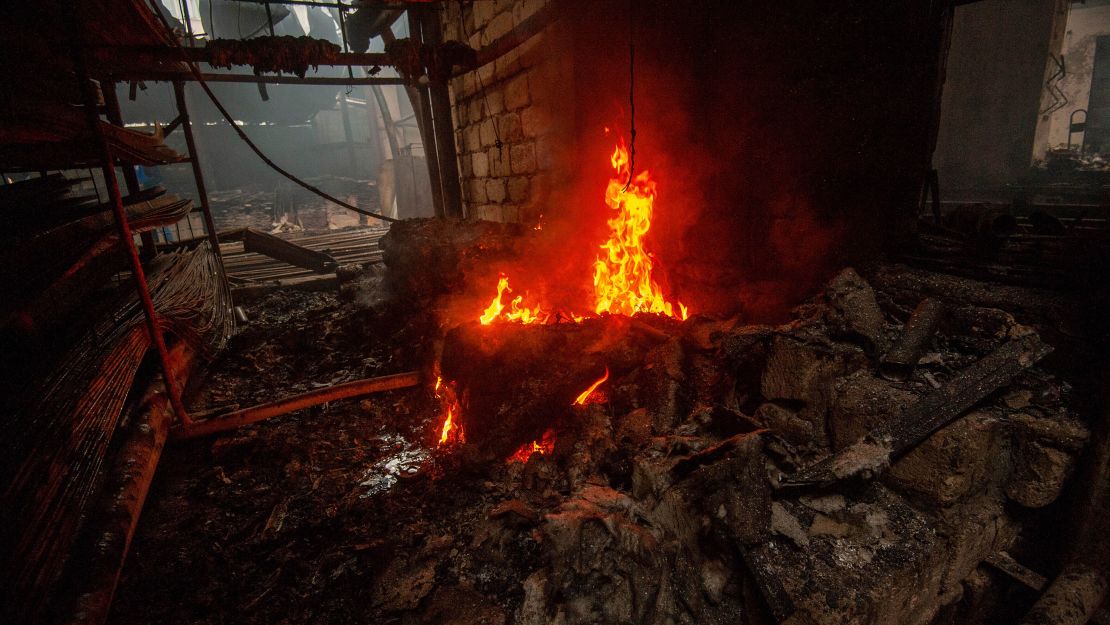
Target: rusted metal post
[198, 175]
[130, 178]
[128, 241]
[440, 100]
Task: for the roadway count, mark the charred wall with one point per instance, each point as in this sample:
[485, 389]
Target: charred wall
[786, 138]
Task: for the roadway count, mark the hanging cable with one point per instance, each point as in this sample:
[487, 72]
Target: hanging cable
[631, 102]
[195, 71]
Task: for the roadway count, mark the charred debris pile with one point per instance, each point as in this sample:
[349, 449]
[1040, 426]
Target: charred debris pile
[900, 452]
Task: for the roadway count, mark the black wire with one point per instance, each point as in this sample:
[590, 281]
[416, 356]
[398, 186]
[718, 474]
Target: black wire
[254, 148]
[631, 103]
[481, 87]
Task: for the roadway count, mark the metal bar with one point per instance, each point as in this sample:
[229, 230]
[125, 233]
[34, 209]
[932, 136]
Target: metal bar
[168, 130]
[270, 80]
[254, 414]
[130, 178]
[446, 155]
[198, 174]
[421, 103]
[146, 55]
[127, 240]
[343, 7]
[287, 251]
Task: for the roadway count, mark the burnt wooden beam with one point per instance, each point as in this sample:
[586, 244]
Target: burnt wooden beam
[901, 360]
[872, 453]
[287, 251]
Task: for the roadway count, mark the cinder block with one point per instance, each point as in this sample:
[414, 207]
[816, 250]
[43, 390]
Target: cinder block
[523, 157]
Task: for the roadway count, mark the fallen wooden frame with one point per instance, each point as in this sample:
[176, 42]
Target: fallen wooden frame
[316, 397]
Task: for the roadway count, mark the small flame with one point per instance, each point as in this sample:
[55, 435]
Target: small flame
[451, 432]
[516, 311]
[544, 446]
[581, 401]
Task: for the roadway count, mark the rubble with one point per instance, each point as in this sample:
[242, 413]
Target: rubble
[666, 498]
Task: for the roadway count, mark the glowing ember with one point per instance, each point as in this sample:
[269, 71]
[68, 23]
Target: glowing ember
[622, 275]
[451, 432]
[544, 446]
[581, 401]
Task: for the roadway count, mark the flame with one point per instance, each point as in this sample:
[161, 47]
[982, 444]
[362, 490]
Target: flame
[581, 401]
[544, 446]
[451, 432]
[515, 312]
[622, 275]
[622, 279]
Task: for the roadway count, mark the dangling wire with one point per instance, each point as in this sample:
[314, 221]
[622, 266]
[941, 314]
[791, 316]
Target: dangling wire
[631, 103]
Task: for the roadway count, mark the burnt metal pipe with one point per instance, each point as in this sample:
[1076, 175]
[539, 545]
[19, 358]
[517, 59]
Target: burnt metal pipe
[899, 363]
[254, 414]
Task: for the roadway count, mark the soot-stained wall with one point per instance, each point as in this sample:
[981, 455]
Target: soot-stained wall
[786, 139]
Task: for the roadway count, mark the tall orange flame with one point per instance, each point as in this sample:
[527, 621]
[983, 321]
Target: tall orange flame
[622, 275]
[623, 283]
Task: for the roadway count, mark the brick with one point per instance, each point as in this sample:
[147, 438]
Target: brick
[507, 65]
[516, 93]
[483, 13]
[518, 189]
[465, 168]
[523, 158]
[494, 101]
[510, 213]
[495, 189]
[498, 161]
[479, 162]
[545, 153]
[510, 128]
[488, 136]
[505, 5]
[472, 139]
[490, 212]
[476, 191]
[485, 76]
[474, 111]
[523, 9]
[501, 24]
[535, 121]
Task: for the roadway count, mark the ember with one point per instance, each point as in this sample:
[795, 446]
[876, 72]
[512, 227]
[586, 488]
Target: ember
[544, 446]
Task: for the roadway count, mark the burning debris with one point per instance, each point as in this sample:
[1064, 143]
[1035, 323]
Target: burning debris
[652, 469]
